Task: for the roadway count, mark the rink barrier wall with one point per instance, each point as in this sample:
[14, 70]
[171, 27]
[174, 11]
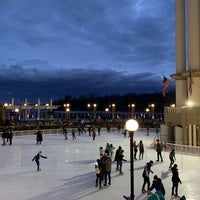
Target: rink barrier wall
[183, 149]
[60, 131]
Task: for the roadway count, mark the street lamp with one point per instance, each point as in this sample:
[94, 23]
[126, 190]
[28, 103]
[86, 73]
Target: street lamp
[152, 109]
[67, 110]
[46, 110]
[106, 110]
[131, 126]
[94, 109]
[113, 112]
[132, 108]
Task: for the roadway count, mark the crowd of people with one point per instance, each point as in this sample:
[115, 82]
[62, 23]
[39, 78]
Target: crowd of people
[103, 167]
[109, 155]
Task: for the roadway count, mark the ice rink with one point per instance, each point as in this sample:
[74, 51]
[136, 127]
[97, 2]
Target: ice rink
[68, 172]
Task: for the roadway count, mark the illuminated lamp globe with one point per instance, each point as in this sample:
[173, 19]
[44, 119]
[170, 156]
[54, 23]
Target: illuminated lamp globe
[131, 125]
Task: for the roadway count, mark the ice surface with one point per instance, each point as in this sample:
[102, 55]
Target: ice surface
[68, 173]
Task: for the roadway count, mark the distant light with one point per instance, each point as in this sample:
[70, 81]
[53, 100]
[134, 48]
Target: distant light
[189, 104]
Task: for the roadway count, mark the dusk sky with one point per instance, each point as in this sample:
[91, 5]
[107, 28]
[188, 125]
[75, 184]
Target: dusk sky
[53, 48]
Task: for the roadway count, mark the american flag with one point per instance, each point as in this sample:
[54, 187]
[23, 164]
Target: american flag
[190, 84]
[166, 83]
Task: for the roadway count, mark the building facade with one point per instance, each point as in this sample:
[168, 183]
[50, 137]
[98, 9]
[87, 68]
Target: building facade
[182, 122]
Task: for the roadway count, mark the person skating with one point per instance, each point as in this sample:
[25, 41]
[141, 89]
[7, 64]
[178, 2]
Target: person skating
[135, 149]
[121, 159]
[159, 151]
[117, 157]
[107, 163]
[37, 159]
[39, 137]
[172, 157]
[175, 180]
[146, 172]
[157, 185]
[98, 171]
[141, 149]
[73, 134]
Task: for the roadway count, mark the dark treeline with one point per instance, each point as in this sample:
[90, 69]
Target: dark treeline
[141, 101]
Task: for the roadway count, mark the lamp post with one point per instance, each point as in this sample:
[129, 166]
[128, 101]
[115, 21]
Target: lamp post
[67, 110]
[152, 109]
[132, 108]
[113, 112]
[94, 109]
[106, 110]
[46, 110]
[131, 126]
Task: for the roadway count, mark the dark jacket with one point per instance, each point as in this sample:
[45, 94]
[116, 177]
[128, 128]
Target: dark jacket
[117, 154]
[37, 157]
[147, 170]
[157, 185]
[107, 163]
[175, 175]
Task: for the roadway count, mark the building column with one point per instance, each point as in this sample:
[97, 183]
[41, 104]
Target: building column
[181, 91]
[194, 136]
[190, 134]
[194, 49]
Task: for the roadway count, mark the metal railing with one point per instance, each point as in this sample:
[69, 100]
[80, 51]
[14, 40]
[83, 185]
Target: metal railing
[183, 149]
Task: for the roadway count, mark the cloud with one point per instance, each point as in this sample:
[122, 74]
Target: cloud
[77, 47]
[34, 84]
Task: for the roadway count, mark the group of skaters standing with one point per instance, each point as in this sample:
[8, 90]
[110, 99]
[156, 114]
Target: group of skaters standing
[157, 183]
[7, 136]
[92, 131]
[104, 163]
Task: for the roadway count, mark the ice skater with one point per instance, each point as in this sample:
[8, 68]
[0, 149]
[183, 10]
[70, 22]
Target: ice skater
[37, 159]
[172, 158]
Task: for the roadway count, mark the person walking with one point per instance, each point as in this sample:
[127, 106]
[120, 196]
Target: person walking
[141, 149]
[159, 151]
[146, 172]
[175, 180]
[37, 159]
[157, 185]
[107, 163]
[172, 158]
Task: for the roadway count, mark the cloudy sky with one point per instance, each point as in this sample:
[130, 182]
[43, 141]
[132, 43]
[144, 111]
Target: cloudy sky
[53, 48]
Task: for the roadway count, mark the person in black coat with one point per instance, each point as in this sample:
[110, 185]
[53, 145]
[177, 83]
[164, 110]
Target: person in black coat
[157, 185]
[39, 137]
[117, 158]
[37, 159]
[10, 137]
[4, 137]
[146, 172]
[175, 180]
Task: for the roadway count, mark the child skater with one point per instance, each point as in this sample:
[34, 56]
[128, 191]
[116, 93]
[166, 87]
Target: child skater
[37, 159]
